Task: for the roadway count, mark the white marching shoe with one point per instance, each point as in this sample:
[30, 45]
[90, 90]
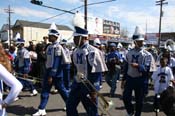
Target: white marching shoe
[34, 93]
[16, 99]
[65, 108]
[129, 114]
[40, 113]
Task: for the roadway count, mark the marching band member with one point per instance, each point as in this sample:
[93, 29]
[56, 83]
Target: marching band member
[139, 63]
[67, 66]
[98, 44]
[54, 73]
[22, 65]
[89, 65]
[8, 79]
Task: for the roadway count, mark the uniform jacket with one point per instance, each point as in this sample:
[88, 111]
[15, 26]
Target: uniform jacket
[88, 55]
[143, 58]
[55, 56]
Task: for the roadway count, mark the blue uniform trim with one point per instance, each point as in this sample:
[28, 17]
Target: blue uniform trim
[56, 70]
[141, 68]
[1, 86]
[26, 66]
[94, 77]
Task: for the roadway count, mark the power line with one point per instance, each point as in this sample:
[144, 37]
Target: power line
[90, 4]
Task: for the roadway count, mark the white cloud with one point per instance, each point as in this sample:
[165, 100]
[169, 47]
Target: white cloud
[112, 10]
[26, 12]
[149, 16]
[1, 11]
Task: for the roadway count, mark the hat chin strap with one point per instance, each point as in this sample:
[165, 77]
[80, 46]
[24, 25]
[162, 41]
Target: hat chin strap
[79, 42]
[136, 45]
[18, 44]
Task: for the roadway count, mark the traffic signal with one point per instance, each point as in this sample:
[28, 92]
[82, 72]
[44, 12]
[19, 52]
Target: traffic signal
[37, 2]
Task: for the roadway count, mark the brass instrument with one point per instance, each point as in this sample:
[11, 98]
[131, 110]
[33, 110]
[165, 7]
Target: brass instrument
[29, 78]
[170, 45]
[105, 104]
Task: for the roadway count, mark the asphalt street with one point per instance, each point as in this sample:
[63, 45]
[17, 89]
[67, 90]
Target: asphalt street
[27, 105]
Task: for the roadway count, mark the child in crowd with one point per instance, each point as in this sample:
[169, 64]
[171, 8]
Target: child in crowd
[162, 79]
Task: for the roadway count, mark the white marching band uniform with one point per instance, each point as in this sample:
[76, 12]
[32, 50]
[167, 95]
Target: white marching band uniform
[13, 83]
[94, 59]
[22, 54]
[55, 50]
[144, 58]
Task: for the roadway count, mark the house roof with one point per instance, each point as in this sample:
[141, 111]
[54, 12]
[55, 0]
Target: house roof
[5, 27]
[24, 23]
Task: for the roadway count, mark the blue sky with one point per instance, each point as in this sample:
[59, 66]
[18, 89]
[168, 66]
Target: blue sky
[128, 13]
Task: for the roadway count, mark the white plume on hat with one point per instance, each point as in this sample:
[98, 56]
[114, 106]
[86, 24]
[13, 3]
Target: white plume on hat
[53, 30]
[97, 42]
[79, 24]
[17, 36]
[53, 26]
[119, 45]
[78, 20]
[138, 34]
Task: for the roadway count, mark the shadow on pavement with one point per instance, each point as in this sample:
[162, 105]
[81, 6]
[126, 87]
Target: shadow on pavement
[55, 110]
[115, 95]
[20, 110]
[120, 108]
[83, 114]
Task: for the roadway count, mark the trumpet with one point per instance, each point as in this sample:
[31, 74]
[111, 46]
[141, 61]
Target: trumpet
[104, 103]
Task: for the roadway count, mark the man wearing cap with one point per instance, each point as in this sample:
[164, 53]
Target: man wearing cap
[139, 63]
[54, 73]
[89, 66]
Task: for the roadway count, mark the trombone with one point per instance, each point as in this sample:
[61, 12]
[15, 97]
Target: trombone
[105, 104]
[29, 78]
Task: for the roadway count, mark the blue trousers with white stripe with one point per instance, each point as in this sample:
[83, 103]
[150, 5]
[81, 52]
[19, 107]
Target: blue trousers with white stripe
[78, 93]
[3, 112]
[59, 85]
[136, 85]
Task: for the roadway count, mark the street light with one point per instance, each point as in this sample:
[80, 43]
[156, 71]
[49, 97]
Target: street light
[36, 2]
[40, 3]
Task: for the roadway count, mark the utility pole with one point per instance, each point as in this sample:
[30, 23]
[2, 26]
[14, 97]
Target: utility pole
[85, 13]
[146, 30]
[161, 3]
[9, 11]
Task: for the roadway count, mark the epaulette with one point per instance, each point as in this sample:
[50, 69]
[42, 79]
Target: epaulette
[90, 48]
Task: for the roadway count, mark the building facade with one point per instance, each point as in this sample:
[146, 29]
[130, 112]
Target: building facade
[35, 31]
